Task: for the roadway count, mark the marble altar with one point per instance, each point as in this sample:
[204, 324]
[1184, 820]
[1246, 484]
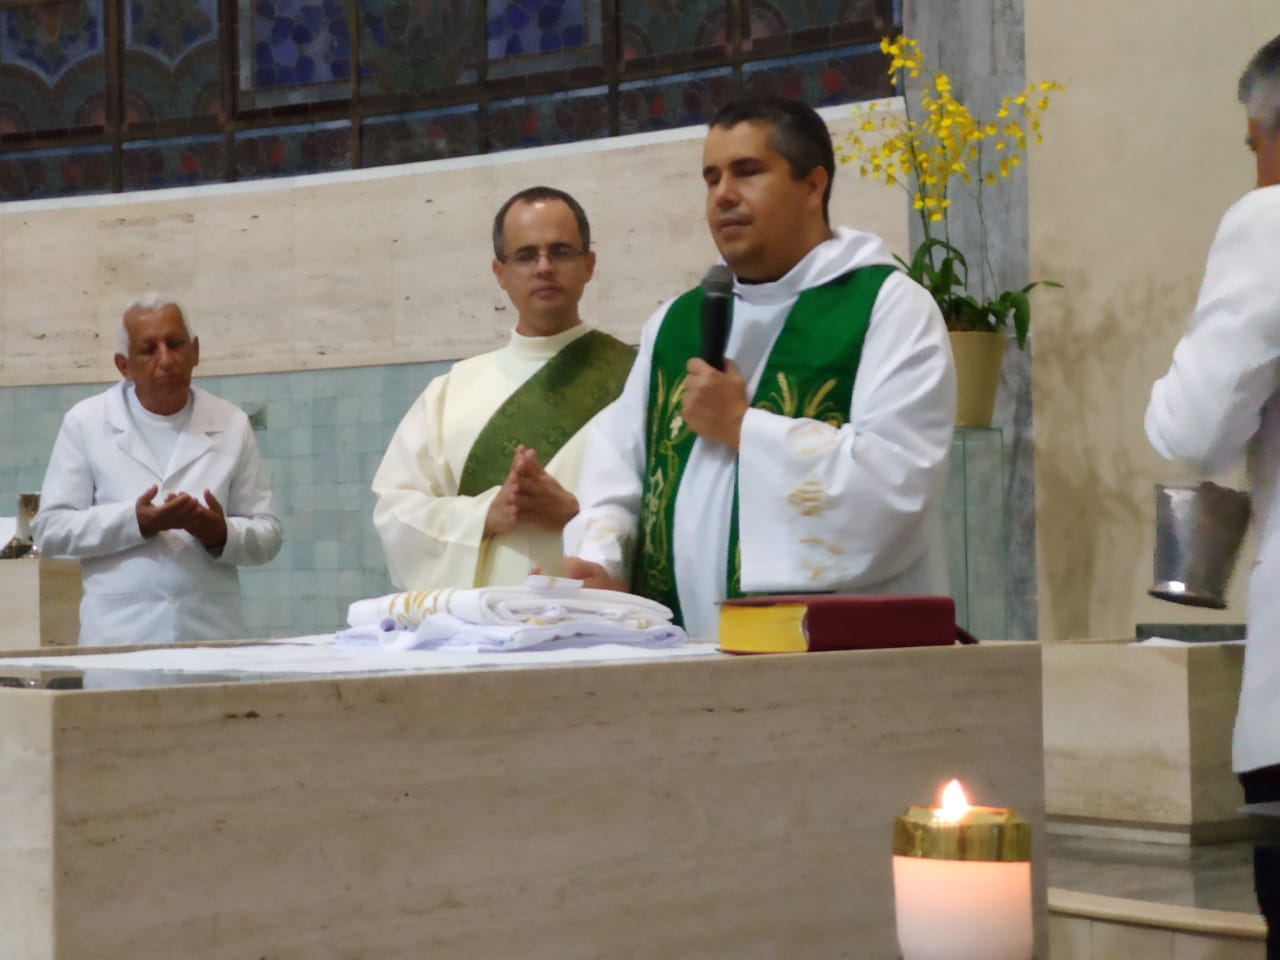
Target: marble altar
[718, 807]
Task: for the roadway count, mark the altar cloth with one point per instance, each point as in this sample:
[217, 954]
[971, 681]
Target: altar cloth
[312, 656]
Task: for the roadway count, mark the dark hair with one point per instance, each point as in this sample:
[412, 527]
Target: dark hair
[533, 195]
[799, 134]
[1259, 88]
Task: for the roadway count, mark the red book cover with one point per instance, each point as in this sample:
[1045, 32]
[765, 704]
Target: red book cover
[823, 621]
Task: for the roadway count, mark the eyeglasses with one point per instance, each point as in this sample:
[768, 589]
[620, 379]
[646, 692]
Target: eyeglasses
[558, 255]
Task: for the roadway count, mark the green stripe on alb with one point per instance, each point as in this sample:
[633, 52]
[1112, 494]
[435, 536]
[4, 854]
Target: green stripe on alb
[809, 374]
[548, 408]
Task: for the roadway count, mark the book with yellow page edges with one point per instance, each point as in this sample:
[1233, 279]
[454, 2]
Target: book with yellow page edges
[812, 622]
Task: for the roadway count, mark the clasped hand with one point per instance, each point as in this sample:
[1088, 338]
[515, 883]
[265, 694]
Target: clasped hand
[529, 495]
[207, 521]
[715, 401]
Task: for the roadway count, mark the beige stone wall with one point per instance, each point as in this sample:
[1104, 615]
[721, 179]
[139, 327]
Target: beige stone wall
[1144, 154]
[373, 267]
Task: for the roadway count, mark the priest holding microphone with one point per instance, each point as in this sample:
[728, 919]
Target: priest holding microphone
[786, 426]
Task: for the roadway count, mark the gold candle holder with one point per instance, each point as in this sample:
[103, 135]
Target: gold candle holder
[993, 834]
[962, 881]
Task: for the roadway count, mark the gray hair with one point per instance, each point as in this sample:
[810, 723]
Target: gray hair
[1259, 89]
[149, 302]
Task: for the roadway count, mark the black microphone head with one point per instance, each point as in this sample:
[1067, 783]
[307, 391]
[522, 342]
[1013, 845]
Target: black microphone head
[717, 300]
[718, 282]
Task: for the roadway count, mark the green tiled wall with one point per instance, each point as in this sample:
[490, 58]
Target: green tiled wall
[324, 435]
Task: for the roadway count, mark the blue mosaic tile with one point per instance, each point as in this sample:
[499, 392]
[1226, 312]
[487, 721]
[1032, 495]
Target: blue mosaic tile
[37, 174]
[170, 29]
[769, 19]
[52, 69]
[183, 161]
[51, 38]
[558, 118]
[24, 104]
[293, 51]
[285, 151]
[295, 42]
[525, 37]
[647, 29]
[171, 64]
[423, 135]
[518, 27]
[411, 47]
[300, 51]
[683, 100]
[822, 79]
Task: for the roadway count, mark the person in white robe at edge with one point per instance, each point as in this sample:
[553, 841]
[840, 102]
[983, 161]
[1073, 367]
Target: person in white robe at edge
[817, 459]
[477, 482]
[158, 489]
[1220, 403]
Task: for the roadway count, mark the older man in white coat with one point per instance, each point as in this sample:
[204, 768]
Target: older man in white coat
[158, 489]
[1220, 402]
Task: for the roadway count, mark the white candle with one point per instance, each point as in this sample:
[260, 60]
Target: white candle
[962, 882]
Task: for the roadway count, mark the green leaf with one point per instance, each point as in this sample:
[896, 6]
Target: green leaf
[941, 269]
[1021, 316]
[1041, 283]
[920, 261]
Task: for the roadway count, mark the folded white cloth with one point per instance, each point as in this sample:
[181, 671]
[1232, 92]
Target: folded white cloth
[541, 601]
[443, 631]
[1168, 642]
[542, 611]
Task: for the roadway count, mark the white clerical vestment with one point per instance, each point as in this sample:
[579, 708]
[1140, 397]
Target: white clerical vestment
[853, 509]
[1220, 402]
[433, 537]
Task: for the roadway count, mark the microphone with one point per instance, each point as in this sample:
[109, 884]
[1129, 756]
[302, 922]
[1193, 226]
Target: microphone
[717, 292]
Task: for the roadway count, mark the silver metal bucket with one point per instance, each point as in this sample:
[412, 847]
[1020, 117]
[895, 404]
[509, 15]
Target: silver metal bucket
[1199, 530]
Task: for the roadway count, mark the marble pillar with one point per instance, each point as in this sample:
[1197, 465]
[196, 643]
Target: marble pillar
[979, 45]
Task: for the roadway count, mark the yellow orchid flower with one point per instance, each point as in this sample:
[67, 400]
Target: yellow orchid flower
[928, 145]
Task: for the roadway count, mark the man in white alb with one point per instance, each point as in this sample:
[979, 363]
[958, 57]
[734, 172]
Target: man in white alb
[817, 459]
[477, 482]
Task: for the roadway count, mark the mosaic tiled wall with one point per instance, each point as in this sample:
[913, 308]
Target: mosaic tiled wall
[102, 95]
[322, 434]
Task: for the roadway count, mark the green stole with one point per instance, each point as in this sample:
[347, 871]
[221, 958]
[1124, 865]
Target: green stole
[809, 374]
[548, 408]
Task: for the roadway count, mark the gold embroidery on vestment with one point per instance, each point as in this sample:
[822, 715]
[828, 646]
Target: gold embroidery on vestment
[808, 498]
[812, 439]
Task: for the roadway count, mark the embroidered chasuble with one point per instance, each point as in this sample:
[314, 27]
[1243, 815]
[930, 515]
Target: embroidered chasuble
[809, 373]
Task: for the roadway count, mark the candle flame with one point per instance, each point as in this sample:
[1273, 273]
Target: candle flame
[954, 804]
